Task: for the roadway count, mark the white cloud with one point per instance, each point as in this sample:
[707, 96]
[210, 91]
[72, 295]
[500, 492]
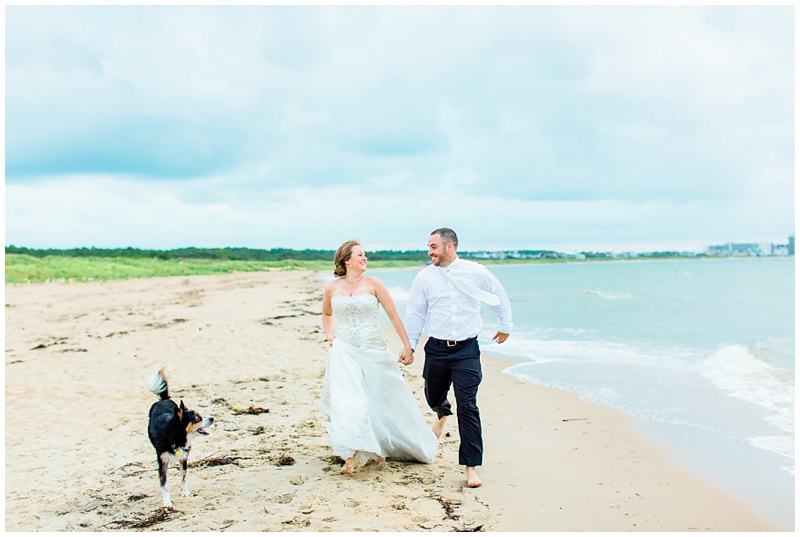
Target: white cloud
[163, 216]
[560, 123]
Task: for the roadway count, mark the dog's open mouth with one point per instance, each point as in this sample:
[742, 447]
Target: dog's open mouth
[202, 431]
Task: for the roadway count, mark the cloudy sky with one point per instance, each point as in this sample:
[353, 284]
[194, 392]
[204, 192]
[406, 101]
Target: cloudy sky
[587, 127]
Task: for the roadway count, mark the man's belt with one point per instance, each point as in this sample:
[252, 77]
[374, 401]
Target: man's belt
[450, 342]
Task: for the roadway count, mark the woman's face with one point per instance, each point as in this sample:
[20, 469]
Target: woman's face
[358, 259]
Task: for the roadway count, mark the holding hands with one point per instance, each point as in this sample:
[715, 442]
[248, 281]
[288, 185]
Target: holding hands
[406, 356]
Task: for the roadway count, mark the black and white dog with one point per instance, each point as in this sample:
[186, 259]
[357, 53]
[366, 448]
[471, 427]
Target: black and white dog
[171, 430]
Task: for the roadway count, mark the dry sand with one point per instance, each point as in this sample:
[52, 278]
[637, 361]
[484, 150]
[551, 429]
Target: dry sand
[248, 349]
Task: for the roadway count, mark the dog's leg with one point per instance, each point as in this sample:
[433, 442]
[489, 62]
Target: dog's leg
[163, 466]
[184, 484]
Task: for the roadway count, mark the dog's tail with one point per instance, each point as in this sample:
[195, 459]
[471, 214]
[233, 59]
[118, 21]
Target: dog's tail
[158, 384]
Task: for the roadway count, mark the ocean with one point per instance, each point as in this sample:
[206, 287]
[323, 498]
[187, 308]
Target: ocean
[700, 351]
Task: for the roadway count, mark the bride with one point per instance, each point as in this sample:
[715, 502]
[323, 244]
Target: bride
[370, 411]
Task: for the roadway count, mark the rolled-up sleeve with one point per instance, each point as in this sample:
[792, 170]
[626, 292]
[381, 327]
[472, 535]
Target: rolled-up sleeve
[502, 310]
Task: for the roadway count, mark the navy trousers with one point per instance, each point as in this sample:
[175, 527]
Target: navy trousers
[459, 366]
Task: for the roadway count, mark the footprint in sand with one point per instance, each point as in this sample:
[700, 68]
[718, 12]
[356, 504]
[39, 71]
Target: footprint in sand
[285, 498]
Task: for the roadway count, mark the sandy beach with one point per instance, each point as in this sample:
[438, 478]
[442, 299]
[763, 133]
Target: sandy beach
[248, 349]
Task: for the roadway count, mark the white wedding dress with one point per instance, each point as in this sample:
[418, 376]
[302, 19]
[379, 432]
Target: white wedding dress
[370, 411]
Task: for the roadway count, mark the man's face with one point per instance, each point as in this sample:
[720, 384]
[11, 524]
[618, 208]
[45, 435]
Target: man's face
[441, 255]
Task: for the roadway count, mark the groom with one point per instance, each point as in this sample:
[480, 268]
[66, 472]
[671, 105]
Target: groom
[445, 301]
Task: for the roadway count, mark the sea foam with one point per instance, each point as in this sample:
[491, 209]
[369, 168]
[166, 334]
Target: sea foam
[741, 374]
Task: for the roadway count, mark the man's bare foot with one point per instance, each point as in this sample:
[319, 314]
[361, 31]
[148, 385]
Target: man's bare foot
[438, 426]
[473, 481]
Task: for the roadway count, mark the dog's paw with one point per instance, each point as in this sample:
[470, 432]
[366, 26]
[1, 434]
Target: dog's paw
[185, 492]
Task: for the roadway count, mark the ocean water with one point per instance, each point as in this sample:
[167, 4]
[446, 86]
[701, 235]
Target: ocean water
[700, 351]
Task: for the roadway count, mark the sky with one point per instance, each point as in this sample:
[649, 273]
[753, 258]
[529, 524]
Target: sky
[576, 128]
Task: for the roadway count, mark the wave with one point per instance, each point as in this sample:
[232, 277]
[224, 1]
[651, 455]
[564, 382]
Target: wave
[674, 386]
[742, 374]
[399, 294]
[606, 295]
[553, 345]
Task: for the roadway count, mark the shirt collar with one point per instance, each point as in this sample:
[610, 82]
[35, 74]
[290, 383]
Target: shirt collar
[454, 265]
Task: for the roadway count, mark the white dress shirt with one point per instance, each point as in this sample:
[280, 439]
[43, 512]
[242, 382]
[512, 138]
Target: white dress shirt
[444, 312]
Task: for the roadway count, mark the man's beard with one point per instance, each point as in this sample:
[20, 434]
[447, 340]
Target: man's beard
[440, 260]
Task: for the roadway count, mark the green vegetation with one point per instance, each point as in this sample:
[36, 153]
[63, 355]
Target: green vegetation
[27, 265]
[218, 254]
[22, 268]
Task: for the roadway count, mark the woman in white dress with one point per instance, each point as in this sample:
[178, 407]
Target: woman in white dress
[370, 411]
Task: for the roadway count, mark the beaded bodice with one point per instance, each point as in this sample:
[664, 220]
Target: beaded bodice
[357, 320]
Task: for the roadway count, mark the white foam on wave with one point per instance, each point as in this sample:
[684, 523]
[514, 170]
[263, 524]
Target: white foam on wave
[399, 294]
[609, 295]
[782, 445]
[600, 372]
[732, 369]
[740, 374]
[557, 333]
[743, 375]
[529, 346]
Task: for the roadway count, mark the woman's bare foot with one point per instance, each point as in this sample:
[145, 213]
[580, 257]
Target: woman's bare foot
[438, 426]
[473, 481]
[349, 466]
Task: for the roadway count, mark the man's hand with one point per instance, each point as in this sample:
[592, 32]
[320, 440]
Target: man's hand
[405, 357]
[500, 337]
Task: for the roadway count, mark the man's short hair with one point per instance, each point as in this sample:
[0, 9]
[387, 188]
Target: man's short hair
[448, 235]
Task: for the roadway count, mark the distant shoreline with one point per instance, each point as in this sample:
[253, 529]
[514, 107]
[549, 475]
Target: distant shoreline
[22, 268]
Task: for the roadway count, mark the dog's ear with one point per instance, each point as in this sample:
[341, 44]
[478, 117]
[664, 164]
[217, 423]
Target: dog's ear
[183, 407]
[181, 410]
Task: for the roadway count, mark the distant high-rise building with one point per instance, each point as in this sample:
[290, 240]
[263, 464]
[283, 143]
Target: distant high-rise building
[745, 249]
[791, 244]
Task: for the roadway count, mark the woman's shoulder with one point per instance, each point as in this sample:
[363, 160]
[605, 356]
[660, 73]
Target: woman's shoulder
[373, 280]
[333, 284]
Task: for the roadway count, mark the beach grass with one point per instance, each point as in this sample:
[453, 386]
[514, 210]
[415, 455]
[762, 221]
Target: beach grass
[28, 269]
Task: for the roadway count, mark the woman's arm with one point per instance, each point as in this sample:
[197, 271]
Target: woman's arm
[382, 293]
[327, 313]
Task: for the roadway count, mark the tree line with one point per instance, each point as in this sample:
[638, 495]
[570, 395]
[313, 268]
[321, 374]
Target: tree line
[287, 254]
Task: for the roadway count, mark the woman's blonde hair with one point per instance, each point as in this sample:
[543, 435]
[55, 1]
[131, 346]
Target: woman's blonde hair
[344, 253]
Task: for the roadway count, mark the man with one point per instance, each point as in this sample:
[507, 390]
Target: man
[445, 301]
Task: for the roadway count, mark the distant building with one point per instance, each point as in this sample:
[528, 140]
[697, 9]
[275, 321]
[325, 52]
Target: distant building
[752, 249]
[742, 249]
[780, 250]
[719, 249]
